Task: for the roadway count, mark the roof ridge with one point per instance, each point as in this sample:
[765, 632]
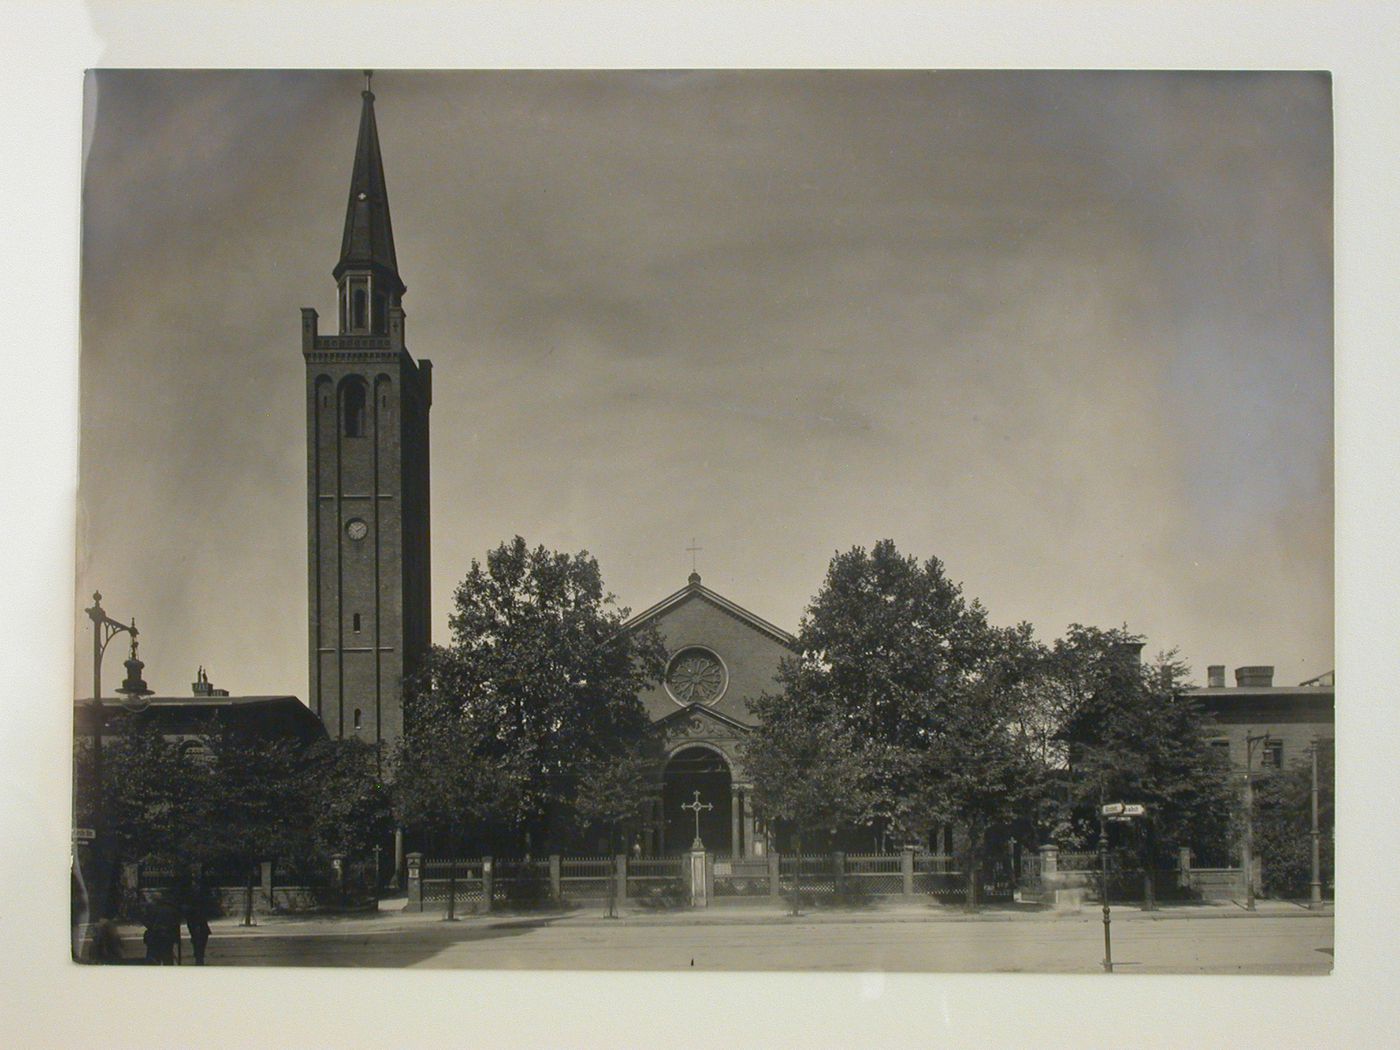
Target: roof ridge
[720, 602]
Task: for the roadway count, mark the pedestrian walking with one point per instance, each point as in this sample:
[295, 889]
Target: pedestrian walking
[162, 936]
[107, 944]
[197, 914]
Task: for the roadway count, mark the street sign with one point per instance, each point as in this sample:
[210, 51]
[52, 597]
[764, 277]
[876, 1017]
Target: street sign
[1134, 811]
[84, 834]
[1113, 809]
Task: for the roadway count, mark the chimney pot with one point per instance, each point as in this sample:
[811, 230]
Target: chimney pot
[1259, 675]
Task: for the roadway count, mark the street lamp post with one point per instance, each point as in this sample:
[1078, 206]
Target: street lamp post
[1248, 850]
[1315, 884]
[104, 629]
[1103, 891]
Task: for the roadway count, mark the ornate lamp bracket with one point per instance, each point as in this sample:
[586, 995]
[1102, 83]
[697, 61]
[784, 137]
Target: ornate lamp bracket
[104, 630]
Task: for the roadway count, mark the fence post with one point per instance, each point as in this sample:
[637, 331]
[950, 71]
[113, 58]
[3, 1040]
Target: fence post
[838, 872]
[906, 869]
[697, 874]
[266, 873]
[487, 878]
[415, 880]
[775, 882]
[620, 875]
[1183, 863]
[556, 887]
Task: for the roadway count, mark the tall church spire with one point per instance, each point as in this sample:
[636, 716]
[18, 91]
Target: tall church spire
[368, 542]
[368, 270]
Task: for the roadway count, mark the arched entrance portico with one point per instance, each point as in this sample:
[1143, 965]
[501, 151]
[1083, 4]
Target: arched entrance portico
[693, 768]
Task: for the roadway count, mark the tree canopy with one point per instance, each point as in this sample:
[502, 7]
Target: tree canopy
[1131, 733]
[894, 658]
[539, 682]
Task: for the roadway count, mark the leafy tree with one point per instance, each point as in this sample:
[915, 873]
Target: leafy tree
[223, 797]
[146, 804]
[1283, 824]
[1133, 735]
[253, 808]
[442, 777]
[616, 790]
[984, 770]
[893, 651]
[150, 791]
[808, 767]
[350, 804]
[544, 678]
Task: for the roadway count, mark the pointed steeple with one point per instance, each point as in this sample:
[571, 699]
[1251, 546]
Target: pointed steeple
[368, 270]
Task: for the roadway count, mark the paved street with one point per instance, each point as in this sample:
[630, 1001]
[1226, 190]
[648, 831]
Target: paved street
[1283, 943]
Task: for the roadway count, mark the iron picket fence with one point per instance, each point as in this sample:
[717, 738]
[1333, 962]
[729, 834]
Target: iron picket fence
[586, 878]
[520, 883]
[875, 874]
[437, 878]
[656, 881]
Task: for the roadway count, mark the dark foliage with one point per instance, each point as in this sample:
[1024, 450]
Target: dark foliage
[1283, 825]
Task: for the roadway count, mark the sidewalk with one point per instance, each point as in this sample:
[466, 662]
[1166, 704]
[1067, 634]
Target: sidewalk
[393, 918]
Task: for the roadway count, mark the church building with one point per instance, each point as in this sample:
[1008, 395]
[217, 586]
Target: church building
[367, 404]
[720, 656]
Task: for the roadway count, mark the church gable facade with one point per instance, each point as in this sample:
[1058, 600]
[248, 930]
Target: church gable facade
[719, 657]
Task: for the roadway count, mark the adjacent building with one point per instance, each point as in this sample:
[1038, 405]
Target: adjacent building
[1292, 716]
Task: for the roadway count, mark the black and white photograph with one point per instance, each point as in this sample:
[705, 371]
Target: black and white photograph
[790, 509]
[689, 525]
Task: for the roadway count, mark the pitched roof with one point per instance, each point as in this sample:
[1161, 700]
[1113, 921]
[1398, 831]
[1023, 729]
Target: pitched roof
[697, 708]
[368, 241]
[694, 589]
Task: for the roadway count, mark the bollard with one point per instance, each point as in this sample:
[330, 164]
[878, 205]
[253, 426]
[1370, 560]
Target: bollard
[415, 881]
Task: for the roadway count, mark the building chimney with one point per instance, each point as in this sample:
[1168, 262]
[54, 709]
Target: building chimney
[1215, 676]
[1262, 675]
[203, 687]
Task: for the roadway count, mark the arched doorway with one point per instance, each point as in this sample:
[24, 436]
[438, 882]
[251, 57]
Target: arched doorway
[689, 770]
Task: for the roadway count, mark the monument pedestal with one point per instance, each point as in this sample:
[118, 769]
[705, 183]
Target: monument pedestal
[696, 875]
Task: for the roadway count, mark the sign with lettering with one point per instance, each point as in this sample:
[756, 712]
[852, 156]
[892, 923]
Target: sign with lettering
[1113, 809]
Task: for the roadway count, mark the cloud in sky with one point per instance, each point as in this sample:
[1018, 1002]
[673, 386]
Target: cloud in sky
[1071, 333]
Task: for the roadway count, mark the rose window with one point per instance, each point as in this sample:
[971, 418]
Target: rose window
[696, 676]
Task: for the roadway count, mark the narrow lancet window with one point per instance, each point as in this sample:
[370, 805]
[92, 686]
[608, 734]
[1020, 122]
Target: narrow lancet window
[354, 404]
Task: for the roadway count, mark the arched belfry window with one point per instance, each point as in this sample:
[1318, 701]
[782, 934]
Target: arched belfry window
[353, 405]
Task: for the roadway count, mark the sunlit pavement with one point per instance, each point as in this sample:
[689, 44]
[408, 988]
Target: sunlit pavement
[1281, 939]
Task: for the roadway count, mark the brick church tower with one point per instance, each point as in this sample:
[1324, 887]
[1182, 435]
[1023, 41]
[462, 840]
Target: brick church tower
[367, 407]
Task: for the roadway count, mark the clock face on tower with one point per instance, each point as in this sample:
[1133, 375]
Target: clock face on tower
[696, 676]
[356, 529]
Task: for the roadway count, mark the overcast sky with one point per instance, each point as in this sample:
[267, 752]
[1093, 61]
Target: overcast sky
[1070, 333]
